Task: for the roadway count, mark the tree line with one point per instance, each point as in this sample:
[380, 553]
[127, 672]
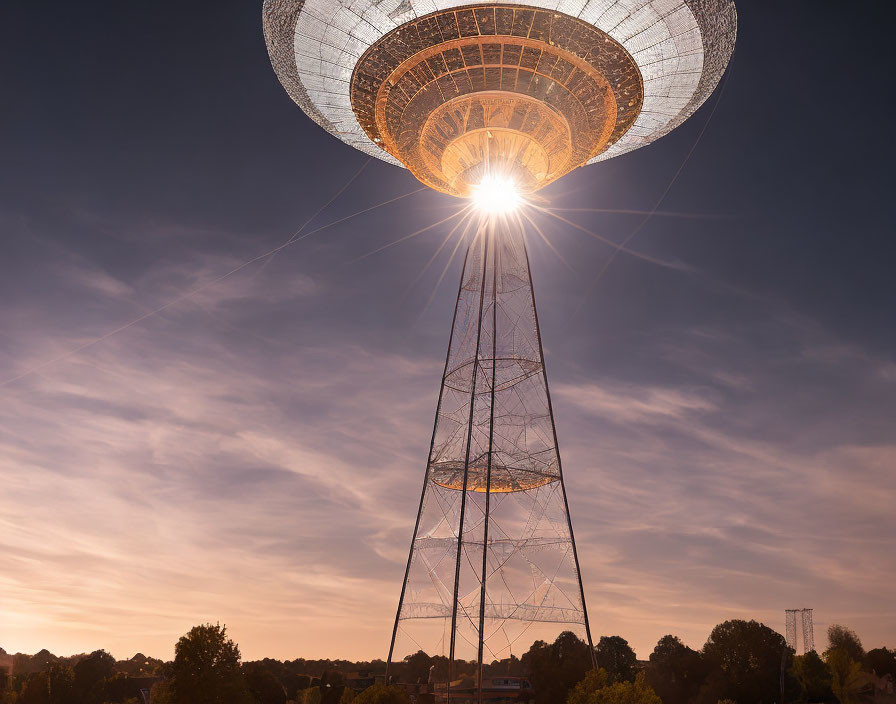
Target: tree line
[742, 662]
[95, 678]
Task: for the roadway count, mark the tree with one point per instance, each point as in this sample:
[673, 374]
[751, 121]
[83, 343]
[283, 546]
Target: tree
[509, 667]
[845, 639]
[440, 668]
[614, 655]
[206, 669]
[813, 676]
[416, 667]
[846, 675]
[748, 655]
[296, 683]
[115, 688]
[555, 669]
[34, 689]
[714, 688]
[595, 689]
[7, 693]
[262, 685]
[161, 693]
[881, 662]
[89, 675]
[139, 666]
[55, 685]
[675, 671]
[381, 694]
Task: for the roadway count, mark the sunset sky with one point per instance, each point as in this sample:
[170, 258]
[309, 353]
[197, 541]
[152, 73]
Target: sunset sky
[253, 454]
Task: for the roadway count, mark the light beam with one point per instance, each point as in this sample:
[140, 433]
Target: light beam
[497, 194]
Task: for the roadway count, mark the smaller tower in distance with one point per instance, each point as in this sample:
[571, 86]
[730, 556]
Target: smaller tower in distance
[808, 631]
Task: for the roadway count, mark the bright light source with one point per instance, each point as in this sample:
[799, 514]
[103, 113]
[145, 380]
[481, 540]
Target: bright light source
[496, 194]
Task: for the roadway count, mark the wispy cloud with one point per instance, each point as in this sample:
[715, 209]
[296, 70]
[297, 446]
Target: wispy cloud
[243, 457]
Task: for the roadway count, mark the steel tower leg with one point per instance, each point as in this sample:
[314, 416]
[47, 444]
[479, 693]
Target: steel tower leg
[463, 500]
[572, 536]
[407, 570]
[488, 481]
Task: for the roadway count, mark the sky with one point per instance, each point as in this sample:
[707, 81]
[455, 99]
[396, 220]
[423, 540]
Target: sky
[252, 454]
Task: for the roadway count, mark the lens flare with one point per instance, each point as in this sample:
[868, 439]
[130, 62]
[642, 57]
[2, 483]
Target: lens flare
[496, 195]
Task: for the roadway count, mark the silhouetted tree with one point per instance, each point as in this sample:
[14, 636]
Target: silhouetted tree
[205, 670]
[881, 662]
[90, 674]
[813, 677]
[676, 671]
[55, 685]
[556, 668]
[115, 688]
[714, 687]
[416, 667]
[614, 655]
[139, 666]
[34, 689]
[440, 665]
[508, 666]
[748, 655]
[7, 693]
[845, 639]
[262, 684]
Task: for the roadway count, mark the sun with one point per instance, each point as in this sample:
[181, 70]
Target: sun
[496, 194]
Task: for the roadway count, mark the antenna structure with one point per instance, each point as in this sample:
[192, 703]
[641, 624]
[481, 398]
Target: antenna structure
[493, 555]
[804, 616]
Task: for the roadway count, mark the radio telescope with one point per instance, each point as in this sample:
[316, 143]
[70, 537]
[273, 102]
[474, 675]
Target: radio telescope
[492, 102]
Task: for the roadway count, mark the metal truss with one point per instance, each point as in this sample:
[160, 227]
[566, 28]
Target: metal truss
[808, 630]
[493, 556]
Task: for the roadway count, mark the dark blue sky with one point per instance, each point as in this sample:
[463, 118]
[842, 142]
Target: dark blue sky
[252, 454]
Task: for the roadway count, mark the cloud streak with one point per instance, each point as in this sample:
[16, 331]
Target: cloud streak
[211, 464]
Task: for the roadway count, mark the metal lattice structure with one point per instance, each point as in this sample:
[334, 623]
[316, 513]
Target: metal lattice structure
[808, 630]
[493, 556]
[790, 627]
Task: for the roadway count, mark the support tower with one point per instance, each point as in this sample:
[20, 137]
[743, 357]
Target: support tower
[493, 558]
[808, 636]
